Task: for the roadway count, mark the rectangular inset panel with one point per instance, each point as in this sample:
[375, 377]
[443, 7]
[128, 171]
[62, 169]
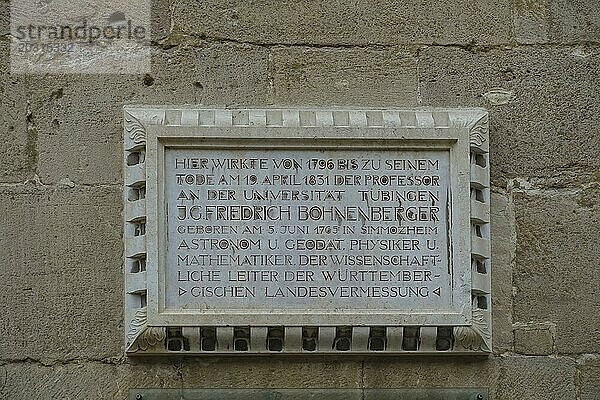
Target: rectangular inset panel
[278, 229]
[297, 232]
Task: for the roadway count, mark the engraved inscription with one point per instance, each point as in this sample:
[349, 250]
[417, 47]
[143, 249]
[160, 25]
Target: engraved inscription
[283, 229]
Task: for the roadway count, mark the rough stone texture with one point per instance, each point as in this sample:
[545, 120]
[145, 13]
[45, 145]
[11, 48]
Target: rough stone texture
[86, 380]
[430, 372]
[60, 251]
[530, 20]
[231, 76]
[533, 378]
[535, 339]
[30, 380]
[97, 380]
[262, 372]
[556, 21]
[17, 146]
[556, 277]
[343, 77]
[503, 256]
[574, 20]
[346, 22]
[4, 17]
[533, 63]
[589, 376]
[79, 121]
[515, 377]
[77, 133]
[552, 124]
[161, 19]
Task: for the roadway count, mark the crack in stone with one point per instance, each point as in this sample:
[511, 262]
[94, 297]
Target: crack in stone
[71, 361]
[174, 39]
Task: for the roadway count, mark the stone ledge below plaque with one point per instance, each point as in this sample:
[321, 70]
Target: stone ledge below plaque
[315, 394]
[303, 231]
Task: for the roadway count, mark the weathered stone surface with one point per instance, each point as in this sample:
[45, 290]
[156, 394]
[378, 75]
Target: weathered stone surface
[346, 22]
[552, 122]
[18, 146]
[147, 373]
[534, 339]
[341, 77]
[430, 372]
[573, 20]
[589, 376]
[556, 21]
[515, 377]
[574, 179]
[556, 275]
[261, 372]
[230, 76]
[503, 254]
[161, 19]
[79, 119]
[70, 381]
[85, 380]
[97, 380]
[535, 378]
[530, 20]
[60, 249]
[76, 120]
[4, 17]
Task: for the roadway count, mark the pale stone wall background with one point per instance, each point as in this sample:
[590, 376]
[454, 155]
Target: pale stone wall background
[60, 183]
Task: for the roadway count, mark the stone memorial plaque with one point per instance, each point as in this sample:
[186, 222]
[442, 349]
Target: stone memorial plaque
[308, 217]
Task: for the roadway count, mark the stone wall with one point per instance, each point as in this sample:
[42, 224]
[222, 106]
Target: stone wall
[534, 64]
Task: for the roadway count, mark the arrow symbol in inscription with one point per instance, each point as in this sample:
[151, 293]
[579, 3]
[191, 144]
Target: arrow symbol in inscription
[435, 291]
[182, 291]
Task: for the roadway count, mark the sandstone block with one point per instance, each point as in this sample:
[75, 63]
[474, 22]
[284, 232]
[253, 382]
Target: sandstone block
[79, 118]
[61, 254]
[555, 277]
[534, 339]
[343, 77]
[346, 22]
[503, 252]
[574, 21]
[536, 378]
[589, 376]
[541, 118]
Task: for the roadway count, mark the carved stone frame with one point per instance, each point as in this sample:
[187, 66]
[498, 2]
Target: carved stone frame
[141, 125]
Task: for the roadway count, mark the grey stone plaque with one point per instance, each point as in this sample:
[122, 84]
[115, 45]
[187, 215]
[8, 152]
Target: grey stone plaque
[302, 218]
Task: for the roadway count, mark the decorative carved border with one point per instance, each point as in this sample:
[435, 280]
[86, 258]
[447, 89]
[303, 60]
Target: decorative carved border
[141, 339]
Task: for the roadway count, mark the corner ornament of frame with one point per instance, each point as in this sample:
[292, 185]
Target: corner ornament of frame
[478, 133]
[135, 129]
[476, 337]
[142, 337]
